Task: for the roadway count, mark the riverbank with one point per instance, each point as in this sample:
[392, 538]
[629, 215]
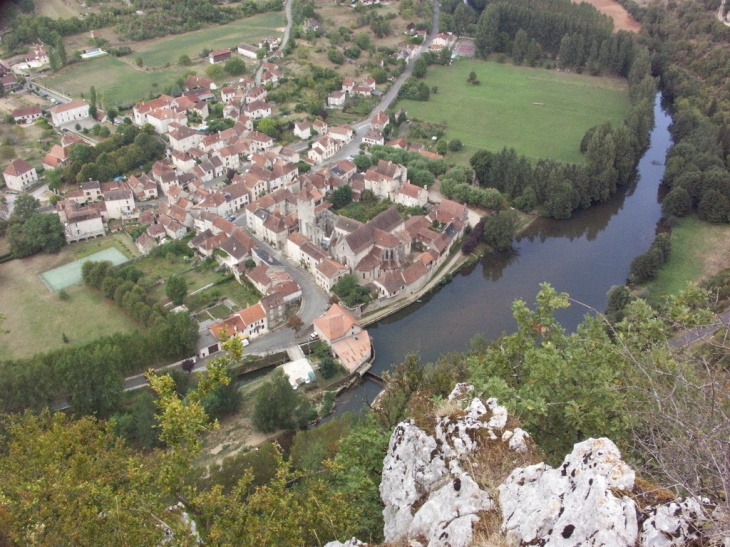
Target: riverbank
[699, 251]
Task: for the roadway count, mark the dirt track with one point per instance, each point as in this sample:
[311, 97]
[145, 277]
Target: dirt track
[621, 18]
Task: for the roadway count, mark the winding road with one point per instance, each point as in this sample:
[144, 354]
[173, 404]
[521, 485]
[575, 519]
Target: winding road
[284, 40]
[353, 147]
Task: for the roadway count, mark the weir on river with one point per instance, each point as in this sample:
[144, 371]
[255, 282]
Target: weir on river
[583, 256]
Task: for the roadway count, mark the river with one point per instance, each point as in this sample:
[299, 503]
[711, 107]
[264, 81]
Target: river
[583, 256]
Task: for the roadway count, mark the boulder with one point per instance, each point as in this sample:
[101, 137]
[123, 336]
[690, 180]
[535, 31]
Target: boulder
[577, 504]
[672, 524]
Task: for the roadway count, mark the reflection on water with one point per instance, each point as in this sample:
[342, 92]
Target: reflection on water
[583, 256]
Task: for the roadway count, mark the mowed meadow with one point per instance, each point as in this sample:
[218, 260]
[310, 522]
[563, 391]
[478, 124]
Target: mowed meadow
[540, 113]
[162, 51]
[37, 318]
[121, 83]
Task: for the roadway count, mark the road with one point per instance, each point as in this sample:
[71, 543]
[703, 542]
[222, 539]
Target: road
[353, 147]
[314, 302]
[284, 40]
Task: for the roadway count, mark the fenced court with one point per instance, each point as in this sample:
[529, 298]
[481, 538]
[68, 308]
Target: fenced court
[70, 274]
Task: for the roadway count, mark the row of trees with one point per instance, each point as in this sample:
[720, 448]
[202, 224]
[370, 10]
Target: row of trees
[92, 375]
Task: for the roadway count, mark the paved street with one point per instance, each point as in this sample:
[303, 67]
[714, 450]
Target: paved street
[314, 302]
[284, 40]
[390, 96]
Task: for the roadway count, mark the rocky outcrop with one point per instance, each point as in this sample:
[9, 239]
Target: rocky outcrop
[580, 503]
[432, 497]
[426, 492]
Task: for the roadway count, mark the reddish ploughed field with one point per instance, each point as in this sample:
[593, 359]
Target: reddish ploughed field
[621, 18]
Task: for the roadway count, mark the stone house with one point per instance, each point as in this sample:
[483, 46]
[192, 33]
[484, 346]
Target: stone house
[19, 175]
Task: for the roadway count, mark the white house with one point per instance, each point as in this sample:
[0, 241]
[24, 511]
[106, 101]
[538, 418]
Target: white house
[302, 129]
[336, 99]
[373, 136]
[247, 50]
[119, 203]
[411, 195]
[69, 112]
[19, 175]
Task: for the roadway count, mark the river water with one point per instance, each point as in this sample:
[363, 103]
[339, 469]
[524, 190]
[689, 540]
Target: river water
[583, 256]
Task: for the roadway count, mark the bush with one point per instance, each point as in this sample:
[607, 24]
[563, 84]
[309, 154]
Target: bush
[676, 203]
[455, 145]
[278, 406]
[335, 56]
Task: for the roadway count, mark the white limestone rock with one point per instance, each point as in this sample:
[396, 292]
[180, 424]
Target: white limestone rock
[349, 543]
[447, 517]
[673, 524]
[574, 504]
[410, 469]
[460, 391]
[518, 440]
[426, 493]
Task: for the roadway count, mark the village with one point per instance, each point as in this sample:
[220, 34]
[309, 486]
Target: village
[260, 209]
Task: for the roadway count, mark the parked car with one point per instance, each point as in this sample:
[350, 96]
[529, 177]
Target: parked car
[232, 219]
[314, 336]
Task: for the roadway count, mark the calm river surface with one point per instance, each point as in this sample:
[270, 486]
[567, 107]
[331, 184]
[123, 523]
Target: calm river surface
[583, 256]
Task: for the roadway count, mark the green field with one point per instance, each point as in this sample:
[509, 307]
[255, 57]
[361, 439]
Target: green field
[501, 111]
[699, 250]
[37, 318]
[120, 83]
[166, 50]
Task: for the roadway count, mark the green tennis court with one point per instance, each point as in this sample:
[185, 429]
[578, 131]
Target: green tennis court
[70, 274]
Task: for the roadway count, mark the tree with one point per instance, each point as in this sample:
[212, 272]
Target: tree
[519, 48]
[94, 377]
[472, 79]
[400, 385]
[618, 297]
[714, 207]
[184, 60]
[442, 146]
[485, 40]
[214, 71]
[235, 66]
[268, 126]
[176, 288]
[25, 206]
[335, 56]
[455, 145]
[362, 162]
[328, 366]
[138, 61]
[676, 203]
[46, 232]
[294, 322]
[420, 67]
[278, 406]
[92, 96]
[350, 292]
[500, 229]
[341, 197]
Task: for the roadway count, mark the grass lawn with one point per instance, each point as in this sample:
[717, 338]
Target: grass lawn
[221, 311]
[37, 318]
[121, 83]
[501, 111]
[364, 210]
[699, 250]
[196, 279]
[162, 51]
[243, 295]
